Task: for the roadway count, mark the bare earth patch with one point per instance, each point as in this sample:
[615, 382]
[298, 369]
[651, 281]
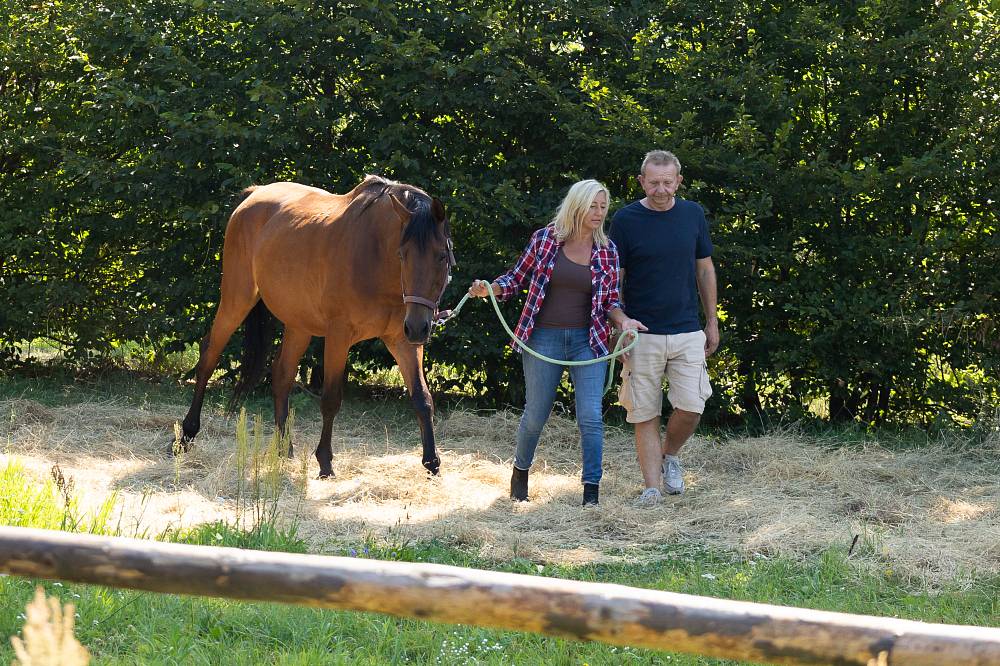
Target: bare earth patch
[933, 513]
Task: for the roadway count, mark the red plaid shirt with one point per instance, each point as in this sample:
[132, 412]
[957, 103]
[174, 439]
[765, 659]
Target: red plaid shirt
[536, 264]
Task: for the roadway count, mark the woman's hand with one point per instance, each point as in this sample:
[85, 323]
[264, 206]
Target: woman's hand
[480, 288]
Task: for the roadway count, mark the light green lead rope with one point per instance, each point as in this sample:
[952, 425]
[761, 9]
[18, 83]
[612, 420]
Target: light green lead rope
[619, 350]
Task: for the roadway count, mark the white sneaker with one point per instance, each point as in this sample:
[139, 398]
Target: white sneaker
[649, 497]
[673, 476]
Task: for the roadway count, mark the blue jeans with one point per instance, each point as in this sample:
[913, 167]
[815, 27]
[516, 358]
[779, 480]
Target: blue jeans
[541, 380]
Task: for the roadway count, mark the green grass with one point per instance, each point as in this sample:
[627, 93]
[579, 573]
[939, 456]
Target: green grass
[51, 505]
[122, 627]
[828, 581]
[57, 387]
[221, 533]
[25, 503]
[126, 627]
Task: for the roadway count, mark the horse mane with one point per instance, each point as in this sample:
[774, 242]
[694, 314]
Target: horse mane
[422, 224]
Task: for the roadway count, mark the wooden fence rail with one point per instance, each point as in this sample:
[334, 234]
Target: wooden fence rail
[583, 611]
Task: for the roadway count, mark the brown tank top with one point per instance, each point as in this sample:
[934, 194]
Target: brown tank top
[567, 297]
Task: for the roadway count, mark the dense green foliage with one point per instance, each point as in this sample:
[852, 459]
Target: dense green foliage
[846, 154]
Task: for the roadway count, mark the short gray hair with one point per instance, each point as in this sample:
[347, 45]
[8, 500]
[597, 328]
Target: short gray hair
[660, 158]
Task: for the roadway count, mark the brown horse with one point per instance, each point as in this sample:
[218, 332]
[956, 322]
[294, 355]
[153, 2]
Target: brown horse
[372, 263]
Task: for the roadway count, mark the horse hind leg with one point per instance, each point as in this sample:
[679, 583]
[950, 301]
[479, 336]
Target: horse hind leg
[235, 303]
[293, 345]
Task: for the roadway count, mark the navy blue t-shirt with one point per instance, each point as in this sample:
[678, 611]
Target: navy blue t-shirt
[657, 250]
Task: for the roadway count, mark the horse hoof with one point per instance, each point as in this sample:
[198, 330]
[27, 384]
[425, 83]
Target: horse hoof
[175, 447]
[326, 475]
[433, 465]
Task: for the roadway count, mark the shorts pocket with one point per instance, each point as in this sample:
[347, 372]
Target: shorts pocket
[704, 385]
[626, 393]
[693, 349]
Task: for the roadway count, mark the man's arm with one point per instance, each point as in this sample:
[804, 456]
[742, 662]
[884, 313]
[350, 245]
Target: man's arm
[705, 275]
[623, 322]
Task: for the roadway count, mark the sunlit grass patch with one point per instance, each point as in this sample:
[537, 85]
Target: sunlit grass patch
[220, 533]
[122, 626]
[260, 482]
[50, 504]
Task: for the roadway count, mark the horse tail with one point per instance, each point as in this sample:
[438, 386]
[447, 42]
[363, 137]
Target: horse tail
[244, 194]
[258, 334]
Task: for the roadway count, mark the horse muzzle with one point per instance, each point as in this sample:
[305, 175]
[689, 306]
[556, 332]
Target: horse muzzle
[421, 313]
[417, 323]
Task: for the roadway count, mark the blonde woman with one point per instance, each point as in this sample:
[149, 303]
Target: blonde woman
[570, 268]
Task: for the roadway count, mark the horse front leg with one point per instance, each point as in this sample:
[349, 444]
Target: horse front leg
[410, 359]
[334, 361]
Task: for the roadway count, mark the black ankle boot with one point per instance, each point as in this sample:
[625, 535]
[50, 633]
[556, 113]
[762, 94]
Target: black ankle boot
[519, 485]
[590, 494]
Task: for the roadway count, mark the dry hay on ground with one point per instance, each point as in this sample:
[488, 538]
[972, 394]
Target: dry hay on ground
[932, 512]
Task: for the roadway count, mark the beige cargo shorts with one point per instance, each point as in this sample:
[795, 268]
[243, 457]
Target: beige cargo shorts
[681, 358]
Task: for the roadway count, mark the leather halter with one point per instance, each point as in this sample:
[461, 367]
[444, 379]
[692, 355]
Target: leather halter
[433, 305]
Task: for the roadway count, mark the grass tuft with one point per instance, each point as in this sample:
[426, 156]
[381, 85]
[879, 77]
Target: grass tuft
[51, 504]
[48, 635]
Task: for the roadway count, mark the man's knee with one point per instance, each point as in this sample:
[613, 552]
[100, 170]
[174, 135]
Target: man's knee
[648, 424]
[648, 429]
[686, 417]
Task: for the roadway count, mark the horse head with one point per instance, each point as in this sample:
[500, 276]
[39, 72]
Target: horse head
[426, 259]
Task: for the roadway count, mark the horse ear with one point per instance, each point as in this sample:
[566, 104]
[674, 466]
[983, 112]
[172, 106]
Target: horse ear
[401, 211]
[437, 209]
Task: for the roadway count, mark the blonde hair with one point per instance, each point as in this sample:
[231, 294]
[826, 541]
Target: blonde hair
[575, 207]
[660, 158]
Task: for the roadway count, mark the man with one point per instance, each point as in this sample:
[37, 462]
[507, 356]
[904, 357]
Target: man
[666, 258]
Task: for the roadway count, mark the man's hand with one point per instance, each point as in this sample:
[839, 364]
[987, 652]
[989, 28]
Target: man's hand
[629, 324]
[631, 327]
[711, 337]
